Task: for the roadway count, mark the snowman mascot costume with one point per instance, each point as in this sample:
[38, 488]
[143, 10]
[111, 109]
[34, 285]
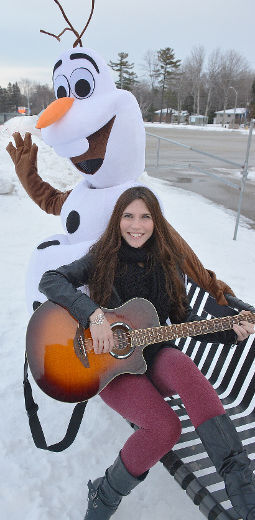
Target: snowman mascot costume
[101, 130]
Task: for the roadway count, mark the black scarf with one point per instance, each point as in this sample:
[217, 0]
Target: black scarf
[148, 281]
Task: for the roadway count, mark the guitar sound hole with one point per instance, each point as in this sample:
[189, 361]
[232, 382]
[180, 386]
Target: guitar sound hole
[122, 341]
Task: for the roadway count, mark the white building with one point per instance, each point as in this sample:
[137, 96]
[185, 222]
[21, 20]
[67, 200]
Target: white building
[232, 116]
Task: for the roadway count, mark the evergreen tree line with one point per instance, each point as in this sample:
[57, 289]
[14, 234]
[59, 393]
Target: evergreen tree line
[10, 98]
[196, 85]
[33, 96]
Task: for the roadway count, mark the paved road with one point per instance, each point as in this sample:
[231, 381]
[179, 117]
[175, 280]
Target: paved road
[174, 161]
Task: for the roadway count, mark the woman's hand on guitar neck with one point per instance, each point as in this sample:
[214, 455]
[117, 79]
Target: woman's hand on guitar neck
[101, 333]
[244, 329]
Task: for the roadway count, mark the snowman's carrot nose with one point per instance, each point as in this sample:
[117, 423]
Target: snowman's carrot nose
[54, 112]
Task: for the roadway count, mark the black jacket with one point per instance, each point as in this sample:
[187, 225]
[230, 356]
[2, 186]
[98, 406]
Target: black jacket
[60, 286]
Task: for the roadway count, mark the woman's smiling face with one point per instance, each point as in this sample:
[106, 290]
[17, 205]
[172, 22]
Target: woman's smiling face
[136, 224]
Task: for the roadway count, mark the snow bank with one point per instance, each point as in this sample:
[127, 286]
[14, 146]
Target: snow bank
[20, 124]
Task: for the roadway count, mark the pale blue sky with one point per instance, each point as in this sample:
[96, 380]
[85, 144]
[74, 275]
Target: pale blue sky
[134, 26]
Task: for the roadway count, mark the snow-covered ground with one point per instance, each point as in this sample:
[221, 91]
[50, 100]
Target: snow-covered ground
[37, 485]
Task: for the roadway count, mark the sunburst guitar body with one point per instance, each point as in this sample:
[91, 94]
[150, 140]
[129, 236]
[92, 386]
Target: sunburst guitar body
[61, 357]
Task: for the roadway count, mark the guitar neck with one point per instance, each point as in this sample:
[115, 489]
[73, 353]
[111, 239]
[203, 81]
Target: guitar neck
[183, 330]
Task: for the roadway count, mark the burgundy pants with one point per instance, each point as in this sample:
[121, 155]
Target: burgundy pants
[140, 399]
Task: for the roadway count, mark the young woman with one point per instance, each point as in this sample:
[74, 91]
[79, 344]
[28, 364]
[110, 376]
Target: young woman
[135, 257]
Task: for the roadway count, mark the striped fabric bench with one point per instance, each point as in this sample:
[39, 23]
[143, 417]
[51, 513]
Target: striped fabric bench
[231, 372]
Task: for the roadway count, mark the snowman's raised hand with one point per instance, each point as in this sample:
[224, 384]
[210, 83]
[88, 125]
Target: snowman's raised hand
[24, 157]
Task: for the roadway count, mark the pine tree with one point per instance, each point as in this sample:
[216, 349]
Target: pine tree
[13, 97]
[130, 81]
[127, 77]
[9, 99]
[16, 95]
[4, 100]
[167, 66]
[1, 99]
[150, 113]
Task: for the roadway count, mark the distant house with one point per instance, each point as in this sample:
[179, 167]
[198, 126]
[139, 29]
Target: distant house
[198, 120]
[232, 116]
[170, 115]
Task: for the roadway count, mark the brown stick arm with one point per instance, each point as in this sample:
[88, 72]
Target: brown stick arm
[24, 157]
[197, 272]
[49, 199]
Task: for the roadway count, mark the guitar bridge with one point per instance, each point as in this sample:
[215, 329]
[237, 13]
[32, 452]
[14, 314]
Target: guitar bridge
[80, 346]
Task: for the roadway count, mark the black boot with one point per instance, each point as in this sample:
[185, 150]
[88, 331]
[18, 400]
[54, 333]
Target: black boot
[105, 493]
[225, 449]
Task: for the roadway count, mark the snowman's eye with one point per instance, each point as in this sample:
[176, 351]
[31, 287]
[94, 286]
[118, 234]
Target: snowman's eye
[61, 87]
[82, 83]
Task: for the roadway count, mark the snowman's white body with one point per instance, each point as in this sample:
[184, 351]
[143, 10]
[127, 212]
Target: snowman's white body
[86, 211]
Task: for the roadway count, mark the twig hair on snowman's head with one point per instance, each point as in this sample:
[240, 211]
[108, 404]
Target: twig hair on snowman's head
[71, 28]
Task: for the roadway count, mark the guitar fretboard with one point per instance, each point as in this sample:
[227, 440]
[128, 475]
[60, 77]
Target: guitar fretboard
[183, 330]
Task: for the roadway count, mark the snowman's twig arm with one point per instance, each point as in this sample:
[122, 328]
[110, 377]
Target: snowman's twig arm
[24, 157]
[197, 272]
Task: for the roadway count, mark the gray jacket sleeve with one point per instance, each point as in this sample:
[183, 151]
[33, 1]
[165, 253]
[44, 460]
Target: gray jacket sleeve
[61, 287]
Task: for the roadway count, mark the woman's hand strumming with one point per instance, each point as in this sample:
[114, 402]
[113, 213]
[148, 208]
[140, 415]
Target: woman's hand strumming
[101, 333]
[244, 329]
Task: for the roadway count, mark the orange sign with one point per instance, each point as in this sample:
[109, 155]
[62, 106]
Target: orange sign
[22, 110]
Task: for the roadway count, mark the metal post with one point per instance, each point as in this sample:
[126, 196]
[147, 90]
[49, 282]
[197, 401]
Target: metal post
[244, 177]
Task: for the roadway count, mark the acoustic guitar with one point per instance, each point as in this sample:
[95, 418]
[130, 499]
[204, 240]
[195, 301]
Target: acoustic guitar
[60, 352]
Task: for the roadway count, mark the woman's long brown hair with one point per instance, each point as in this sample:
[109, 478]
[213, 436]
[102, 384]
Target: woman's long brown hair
[105, 252]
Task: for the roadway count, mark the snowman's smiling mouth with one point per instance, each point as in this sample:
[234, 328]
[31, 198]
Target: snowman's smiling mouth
[93, 159]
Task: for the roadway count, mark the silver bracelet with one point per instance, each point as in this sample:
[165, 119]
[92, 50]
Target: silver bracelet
[98, 320]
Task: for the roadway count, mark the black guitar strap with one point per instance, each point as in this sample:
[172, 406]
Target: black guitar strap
[32, 409]
[35, 425]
